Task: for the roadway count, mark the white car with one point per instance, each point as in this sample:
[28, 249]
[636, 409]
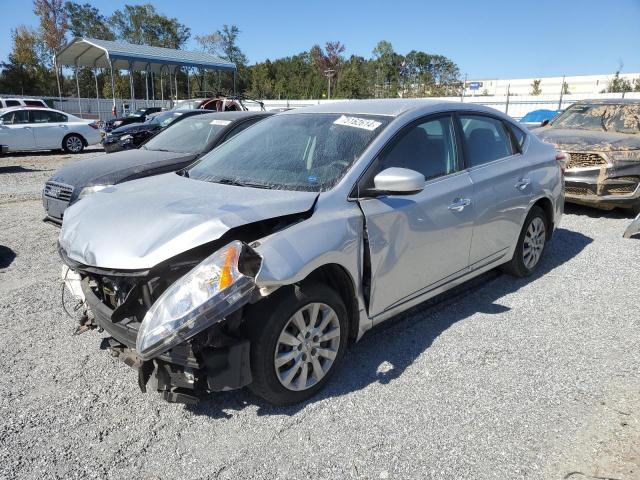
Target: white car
[26, 128]
[22, 102]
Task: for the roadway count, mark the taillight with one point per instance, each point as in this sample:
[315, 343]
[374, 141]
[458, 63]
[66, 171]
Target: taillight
[562, 159]
[94, 126]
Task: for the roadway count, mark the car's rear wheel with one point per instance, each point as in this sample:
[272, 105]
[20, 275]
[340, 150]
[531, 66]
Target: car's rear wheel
[73, 143]
[298, 338]
[531, 244]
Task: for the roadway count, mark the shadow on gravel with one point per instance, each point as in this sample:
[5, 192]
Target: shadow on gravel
[18, 169]
[385, 352]
[6, 256]
[616, 213]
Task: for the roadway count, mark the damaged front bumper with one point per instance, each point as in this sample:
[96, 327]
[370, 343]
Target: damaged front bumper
[207, 354]
[593, 179]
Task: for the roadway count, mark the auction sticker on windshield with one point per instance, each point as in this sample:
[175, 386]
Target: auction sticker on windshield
[220, 122]
[358, 122]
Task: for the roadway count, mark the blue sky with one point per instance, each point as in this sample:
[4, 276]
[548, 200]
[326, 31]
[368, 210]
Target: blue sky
[487, 39]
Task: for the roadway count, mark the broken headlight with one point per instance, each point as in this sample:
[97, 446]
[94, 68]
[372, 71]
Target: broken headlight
[194, 302]
[625, 155]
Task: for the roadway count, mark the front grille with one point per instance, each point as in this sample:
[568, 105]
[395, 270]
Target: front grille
[622, 188]
[58, 190]
[585, 160]
[578, 191]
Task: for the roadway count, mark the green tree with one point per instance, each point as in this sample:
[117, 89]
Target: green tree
[228, 44]
[53, 28]
[353, 83]
[84, 20]
[143, 25]
[23, 73]
[618, 84]
[535, 87]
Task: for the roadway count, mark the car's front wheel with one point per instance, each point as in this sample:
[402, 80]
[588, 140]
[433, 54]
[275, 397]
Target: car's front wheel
[531, 244]
[73, 143]
[298, 338]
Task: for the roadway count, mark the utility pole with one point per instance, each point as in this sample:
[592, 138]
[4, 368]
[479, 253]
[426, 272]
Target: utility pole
[329, 73]
[464, 86]
[561, 93]
[506, 108]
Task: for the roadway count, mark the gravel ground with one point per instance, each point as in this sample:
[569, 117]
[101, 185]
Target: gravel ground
[507, 379]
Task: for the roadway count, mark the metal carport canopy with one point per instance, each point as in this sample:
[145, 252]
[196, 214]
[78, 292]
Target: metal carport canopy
[93, 53]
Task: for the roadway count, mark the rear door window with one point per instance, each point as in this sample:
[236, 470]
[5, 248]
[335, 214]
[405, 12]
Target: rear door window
[12, 103]
[486, 139]
[46, 116]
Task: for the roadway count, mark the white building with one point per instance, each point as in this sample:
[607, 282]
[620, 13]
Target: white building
[580, 84]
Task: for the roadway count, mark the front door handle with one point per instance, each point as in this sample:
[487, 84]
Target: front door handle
[523, 183]
[459, 204]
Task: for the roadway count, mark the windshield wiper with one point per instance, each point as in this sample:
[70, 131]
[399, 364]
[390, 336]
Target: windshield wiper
[238, 183]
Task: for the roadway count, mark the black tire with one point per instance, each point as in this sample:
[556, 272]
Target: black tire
[516, 266]
[267, 319]
[73, 143]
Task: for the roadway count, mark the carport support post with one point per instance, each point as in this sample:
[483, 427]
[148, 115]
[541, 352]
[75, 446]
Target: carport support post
[95, 75]
[131, 106]
[113, 88]
[161, 85]
[188, 85]
[78, 90]
[153, 87]
[175, 76]
[146, 82]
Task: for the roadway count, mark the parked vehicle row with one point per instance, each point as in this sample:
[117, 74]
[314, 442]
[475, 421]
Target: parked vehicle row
[255, 265]
[170, 150]
[133, 135]
[22, 102]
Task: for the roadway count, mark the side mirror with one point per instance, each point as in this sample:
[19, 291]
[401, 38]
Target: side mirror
[545, 122]
[398, 181]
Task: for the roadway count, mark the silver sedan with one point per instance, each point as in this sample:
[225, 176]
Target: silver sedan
[256, 265]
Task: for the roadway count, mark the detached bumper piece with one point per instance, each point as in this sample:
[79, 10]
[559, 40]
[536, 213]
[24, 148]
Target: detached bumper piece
[633, 229]
[181, 374]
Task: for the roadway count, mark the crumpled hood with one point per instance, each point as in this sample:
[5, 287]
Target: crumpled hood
[576, 140]
[116, 167]
[138, 224]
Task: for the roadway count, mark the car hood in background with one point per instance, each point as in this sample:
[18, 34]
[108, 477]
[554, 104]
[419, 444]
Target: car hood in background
[139, 224]
[117, 167]
[587, 140]
[134, 127]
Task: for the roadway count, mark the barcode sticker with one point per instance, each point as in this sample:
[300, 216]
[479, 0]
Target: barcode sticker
[357, 122]
[220, 122]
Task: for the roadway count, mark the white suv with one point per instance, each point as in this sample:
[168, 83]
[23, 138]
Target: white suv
[22, 102]
[26, 128]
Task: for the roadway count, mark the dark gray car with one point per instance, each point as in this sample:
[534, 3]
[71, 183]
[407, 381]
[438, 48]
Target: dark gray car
[170, 150]
[601, 140]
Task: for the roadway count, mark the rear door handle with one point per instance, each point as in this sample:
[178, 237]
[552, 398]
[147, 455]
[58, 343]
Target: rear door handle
[523, 183]
[459, 204]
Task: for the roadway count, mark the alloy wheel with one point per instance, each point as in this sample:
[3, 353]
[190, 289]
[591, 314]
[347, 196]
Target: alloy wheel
[534, 240]
[74, 144]
[307, 346]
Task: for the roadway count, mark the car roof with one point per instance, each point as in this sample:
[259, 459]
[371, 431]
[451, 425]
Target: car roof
[232, 115]
[29, 107]
[390, 107]
[609, 101]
